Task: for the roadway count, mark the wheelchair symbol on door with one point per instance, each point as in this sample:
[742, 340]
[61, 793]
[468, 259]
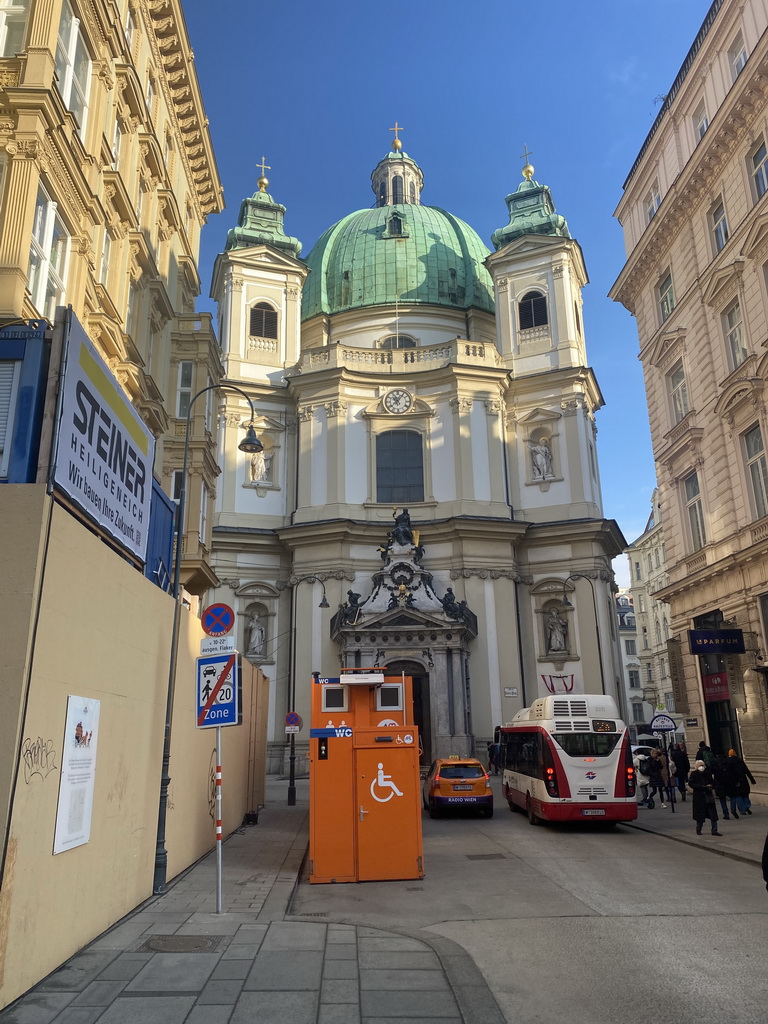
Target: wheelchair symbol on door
[383, 781]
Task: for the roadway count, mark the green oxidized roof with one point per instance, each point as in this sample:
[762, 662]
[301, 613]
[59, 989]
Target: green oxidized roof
[260, 222]
[359, 262]
[531, 212]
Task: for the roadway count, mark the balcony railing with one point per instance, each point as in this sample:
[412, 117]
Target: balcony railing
[402, 360]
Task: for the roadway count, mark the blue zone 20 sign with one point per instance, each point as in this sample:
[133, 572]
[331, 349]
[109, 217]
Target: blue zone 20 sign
[218, 680]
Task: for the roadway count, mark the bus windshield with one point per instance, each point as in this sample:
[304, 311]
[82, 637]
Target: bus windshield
[586, 744]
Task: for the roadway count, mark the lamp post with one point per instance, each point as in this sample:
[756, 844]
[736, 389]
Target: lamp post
[292, 675]
[249, 444]
[567, 604]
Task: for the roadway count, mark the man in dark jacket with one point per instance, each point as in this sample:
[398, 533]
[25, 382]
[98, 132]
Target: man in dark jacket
[682, 765]
[765, 862]
[741, 777]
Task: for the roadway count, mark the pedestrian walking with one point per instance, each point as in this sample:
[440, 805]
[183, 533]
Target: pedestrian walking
[721, 774]
[741, 777]
[656, 771]
[642, 779]
[765, 862]
[703, 806]
[682, 765]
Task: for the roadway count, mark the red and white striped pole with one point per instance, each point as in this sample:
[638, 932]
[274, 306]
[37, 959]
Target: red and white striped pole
[218, 820]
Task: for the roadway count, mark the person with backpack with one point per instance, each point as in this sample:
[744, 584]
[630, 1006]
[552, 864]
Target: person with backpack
[642, 779]
[704, 753]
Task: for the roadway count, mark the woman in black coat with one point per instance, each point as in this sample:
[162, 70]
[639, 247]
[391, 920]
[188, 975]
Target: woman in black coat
[702, 785]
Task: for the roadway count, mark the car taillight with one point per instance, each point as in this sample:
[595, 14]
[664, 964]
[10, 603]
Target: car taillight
[437, 777]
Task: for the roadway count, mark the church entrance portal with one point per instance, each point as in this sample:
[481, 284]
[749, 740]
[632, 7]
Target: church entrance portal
[421, 714]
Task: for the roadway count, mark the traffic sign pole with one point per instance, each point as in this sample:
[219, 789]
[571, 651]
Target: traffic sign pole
[218, 820]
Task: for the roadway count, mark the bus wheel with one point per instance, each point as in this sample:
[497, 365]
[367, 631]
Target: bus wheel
[533, 818]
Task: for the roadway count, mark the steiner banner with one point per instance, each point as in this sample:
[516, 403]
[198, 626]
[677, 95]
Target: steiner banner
[104, 452]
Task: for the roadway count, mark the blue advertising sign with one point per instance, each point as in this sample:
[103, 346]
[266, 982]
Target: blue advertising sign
[217, 691]
[716, 641]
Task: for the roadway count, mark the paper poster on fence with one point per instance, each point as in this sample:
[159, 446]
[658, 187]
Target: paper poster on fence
[78, 774]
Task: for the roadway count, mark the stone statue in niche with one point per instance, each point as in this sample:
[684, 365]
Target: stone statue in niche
[541, 456]
[256, 637]
[261, 465]
[557, 632]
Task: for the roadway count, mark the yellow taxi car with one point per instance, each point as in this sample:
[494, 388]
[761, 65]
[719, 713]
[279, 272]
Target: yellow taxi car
[458, 783]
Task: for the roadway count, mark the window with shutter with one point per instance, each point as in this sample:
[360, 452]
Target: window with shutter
[9, 381]
[263, 321]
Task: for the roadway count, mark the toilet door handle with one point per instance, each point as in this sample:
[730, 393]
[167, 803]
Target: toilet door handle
[362, 812]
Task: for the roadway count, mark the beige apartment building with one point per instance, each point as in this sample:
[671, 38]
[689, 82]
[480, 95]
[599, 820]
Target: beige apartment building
[107, 175]
[695, 219]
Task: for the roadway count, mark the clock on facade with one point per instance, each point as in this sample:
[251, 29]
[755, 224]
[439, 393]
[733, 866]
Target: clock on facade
[397, 400]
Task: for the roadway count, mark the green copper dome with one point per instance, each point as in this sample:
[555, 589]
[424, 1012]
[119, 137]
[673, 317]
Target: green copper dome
[402, 252]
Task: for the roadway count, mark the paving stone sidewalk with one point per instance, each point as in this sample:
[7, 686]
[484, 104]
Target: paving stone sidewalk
[742, 839]
[175, 961]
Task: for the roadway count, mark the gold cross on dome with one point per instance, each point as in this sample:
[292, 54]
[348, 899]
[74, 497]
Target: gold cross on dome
[396, 129]
[264, 167]
[527, 154]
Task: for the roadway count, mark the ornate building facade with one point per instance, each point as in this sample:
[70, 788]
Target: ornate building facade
[429, 472]
[695, 218]
[107, 175]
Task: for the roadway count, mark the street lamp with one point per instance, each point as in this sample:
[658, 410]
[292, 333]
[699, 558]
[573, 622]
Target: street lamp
[567, 604]
[249, 444]
[293, 583]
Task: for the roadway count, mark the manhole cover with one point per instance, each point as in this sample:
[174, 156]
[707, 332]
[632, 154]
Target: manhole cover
[180, 943]
[485, 856]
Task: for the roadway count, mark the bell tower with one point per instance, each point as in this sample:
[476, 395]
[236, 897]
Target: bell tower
[538, 273]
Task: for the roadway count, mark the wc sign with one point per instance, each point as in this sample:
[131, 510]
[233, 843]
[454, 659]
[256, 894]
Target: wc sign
[341, 731]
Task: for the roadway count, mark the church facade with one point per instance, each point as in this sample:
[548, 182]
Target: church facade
[428, 498]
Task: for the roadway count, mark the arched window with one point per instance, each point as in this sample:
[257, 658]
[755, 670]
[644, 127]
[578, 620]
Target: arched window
[383, 194]
[412, 191]
[398, 341]
[399, 467]
[263, 321]
[533, 311]
[397, 188]
[395, 225]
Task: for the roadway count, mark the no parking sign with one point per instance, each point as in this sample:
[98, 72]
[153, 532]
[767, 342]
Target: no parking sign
[217, 620]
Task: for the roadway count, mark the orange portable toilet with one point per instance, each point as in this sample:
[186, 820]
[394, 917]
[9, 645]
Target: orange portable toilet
[365, 808]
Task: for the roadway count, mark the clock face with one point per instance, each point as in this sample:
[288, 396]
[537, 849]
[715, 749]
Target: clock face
[397, 401]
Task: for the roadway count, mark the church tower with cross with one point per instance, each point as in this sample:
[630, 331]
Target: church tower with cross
[429, 473]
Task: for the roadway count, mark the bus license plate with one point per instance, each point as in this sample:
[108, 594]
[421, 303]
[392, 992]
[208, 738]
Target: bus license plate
[593, 812]
[462, 787]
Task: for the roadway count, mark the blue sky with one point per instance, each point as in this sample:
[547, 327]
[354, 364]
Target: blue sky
[315, 86]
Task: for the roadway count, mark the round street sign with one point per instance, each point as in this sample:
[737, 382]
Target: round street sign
[217, 620]
[294, 718]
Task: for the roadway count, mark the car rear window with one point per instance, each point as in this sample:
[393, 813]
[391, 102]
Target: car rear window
[462, 771]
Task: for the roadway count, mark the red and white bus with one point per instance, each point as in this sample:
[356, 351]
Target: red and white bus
[569, 759]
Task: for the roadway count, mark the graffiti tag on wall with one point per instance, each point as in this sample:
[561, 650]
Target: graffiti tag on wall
[39, 758]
